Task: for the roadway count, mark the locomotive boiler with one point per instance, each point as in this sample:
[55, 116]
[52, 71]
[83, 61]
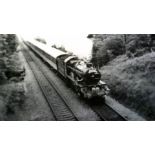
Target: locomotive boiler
[84, 77]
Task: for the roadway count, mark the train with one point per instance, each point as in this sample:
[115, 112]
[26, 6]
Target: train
[80, 73]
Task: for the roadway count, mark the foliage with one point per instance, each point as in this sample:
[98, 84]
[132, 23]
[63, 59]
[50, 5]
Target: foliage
[129, 68]
[9, 61]
[132, 82]
[108, 46]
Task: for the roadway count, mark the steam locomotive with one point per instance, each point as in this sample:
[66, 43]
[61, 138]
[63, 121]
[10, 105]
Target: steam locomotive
[83, 76]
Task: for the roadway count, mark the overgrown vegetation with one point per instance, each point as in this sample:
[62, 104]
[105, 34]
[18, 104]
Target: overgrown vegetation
[132, 82]
[107, 47]
[10, 67]
[128, 68]
[12, 73]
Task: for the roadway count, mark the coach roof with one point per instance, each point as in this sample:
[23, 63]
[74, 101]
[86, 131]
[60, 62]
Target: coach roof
[49, 50]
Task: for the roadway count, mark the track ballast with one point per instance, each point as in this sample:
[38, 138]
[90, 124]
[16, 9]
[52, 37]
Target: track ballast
[56, 101]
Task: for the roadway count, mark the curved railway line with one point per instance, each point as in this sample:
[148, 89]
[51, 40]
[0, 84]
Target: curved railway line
[58, 102]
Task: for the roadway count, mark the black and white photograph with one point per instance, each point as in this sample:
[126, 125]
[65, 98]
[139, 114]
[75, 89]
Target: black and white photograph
[91, 77]
[77, 77]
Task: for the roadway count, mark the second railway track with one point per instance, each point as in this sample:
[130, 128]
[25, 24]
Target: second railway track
[105, 112]
[57, 103]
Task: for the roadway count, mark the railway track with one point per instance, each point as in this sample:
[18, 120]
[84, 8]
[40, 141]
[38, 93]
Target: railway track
[105, 112]
[56, 102]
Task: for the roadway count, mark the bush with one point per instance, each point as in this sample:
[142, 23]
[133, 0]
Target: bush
[106, 49]
[132, 82]
[10, 67]
[138, 44]
[108, 46]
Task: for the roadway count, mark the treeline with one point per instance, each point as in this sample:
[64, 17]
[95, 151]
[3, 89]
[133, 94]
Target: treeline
[8, 61]
[128, 69]
[8, 43]
[106, 47]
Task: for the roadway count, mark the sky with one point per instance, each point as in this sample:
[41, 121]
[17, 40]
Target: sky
[79, 44]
